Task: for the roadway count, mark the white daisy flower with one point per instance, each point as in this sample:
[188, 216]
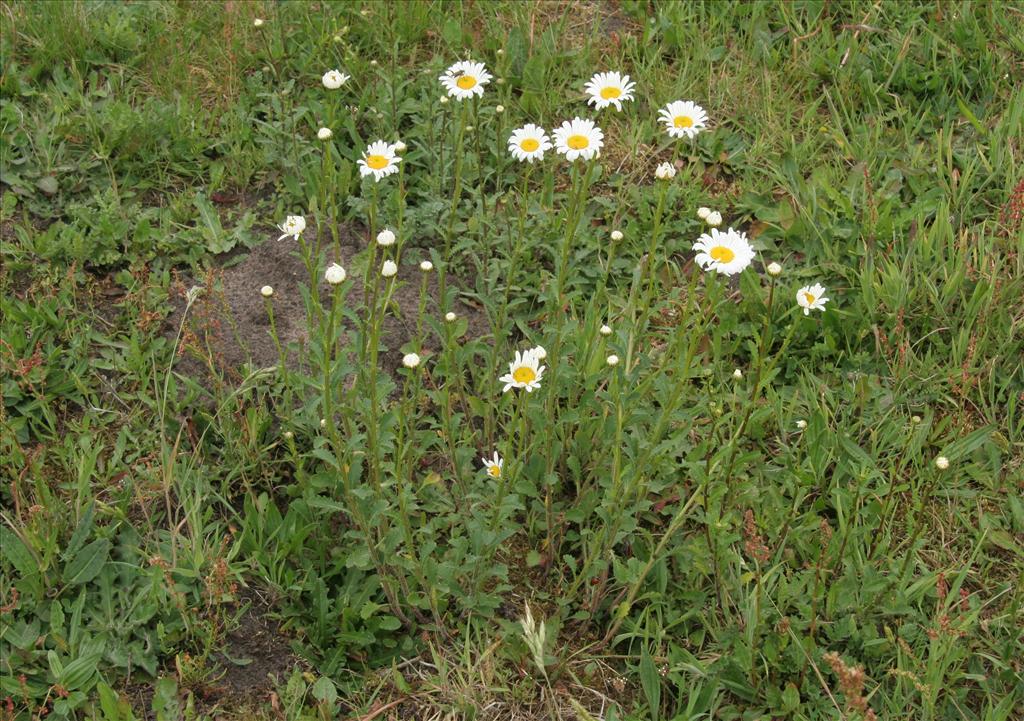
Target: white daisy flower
[683, 118]
[665, 171]
[493, 467]
[389, 269]
[335, 274]
[334, 79]
[727, 253]
[578, 139]
[607, 89]
[465, 79]
[385, 238]
[379, 160]
[529, 143]
[812, 297]
[410, 360]
[293, 225]
[523, 372]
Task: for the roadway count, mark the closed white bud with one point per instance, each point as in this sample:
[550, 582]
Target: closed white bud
[499, 51]
[324, 133]
[942, 463]
[443, 100]
[373, 63]
[801, 424]
[606, 330]
[499, 81]
[915, 419]
[334, 79]
[426, 266]
[665, 171]
[266, 291]
[336, 38]
[389, 269]
[616, 235]
[774, 269]
[399, 146]
[613, 360]
[469, 128]
[703, 213]
[385, 238]
[335, 274]
[323, 422]
[258, 22]
[288, 435]
[540, 353]
[737, 374]
[715, 219]
[499, 109]
[410, 360]
[449, 316]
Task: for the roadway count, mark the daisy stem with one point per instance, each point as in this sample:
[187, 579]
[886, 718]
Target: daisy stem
[371, 264]
[282, 358]
[652, 250]
[456, 196]
[572, 223]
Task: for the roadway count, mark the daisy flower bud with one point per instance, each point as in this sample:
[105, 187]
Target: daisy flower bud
[469, 128]
[324, 133]
[385, 238]
[334, 79]
[737, 374]
[714, 219]
[665, 171]
[616, 235]
[606, 330]
[499, 109]
[336, 38]
[335, 274]
[801, 424]
[499, 51]
[540, 352]
[288, 435]
[389, 269]
[703, 213]
[443, 100]
[499, 81]
[373, 63]
[613, 360]
[410, 360]
[399, 146]
[266, 291]
[942, 463]
[426, 266]
[774, 269]
[323, 422]
[258, 22]
[915, 419]
[449, 316]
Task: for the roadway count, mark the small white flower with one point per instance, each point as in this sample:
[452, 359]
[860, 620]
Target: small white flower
[385, 238]
[379, 160]
[529, 143]
[374, 63]
[499, 109]
[613, 360]
[389, 269]
[616, 235]
[465, 79]
[801, 424]
[288, 435]
[493, 467]
[449, 316]
[266, 291]
[293, 225]
[703, 213]
[774, 269]
[499, 51]
[399, 146]
[606, 330]
[714, 219]
[469, 128]
[915, 419]
[443, 100]
[324, 133]
[665, 171]
[323, 422]
[683, 118]
[499, 81]
[737, 374]
[426, 266]
[540, 352]
[258, 22]
[410, 360]
[727, 253]
[812, 297]
[335, 274]
[578, 138]
[334, 79]
[607, 89]
[942, 463]
[523, 372]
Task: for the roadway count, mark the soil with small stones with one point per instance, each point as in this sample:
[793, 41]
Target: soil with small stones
[229, 323]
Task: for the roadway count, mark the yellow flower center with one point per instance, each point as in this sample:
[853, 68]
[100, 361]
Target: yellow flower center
[809, 297]
[577, 142]
[524, 374]
[683, 121]
[722, 254]
[494, 470]
[529, 144]
[611, 92]
[376, 162]
[466, 82]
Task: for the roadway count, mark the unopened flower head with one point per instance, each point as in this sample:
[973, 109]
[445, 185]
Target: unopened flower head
[915, 419]
[727, 253]
[334, 79]
[258, 22]
[288, 435]
[617, 235]
[606, 330]
[613, 360]
[266, 291]
[389, 269]
[942, 463]
[399, 146]
[524, 372]
[578, 138]
[774, 269]
[443, 100]
[529, 143]
[385, 238]
[801, 424]
[493, 466]
[540, 352]
[607, 89]
[410, 360]
[714, 219]
[703, 213]
[737, 374]
[665, 171]
[335, 274]
[683, 119]
[292, 226]
[812, 297]
[450, 317]
[379, 160]
[499, 109]
[324, 134]
[426, 266]
[465, 79]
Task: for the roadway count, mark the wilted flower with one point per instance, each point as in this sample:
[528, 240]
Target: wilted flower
[334, 79]
[607, 89]
[683, 118]
[293, 225]
[410, 360]
[389, 269]
[465, 79]
[266, 291]
[812, 297]
[523, 372]
[578, 139]
[335, 274]
[385, 238]
[727, 253]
